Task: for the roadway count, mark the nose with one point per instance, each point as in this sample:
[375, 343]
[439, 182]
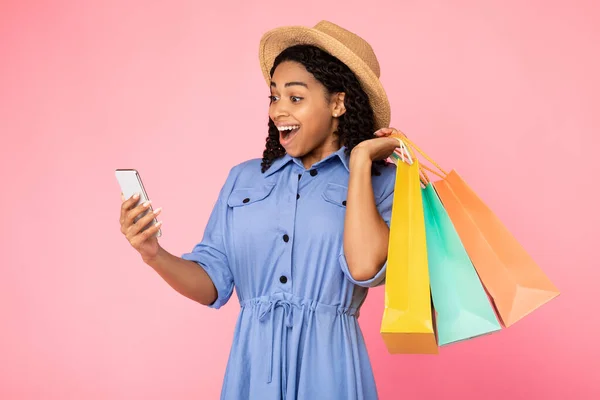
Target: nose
[279, 110]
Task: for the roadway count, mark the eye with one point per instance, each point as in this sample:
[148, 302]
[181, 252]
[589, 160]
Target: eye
[272, 98]
[296, 99]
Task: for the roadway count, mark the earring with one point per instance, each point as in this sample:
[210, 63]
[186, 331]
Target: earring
[335, 115]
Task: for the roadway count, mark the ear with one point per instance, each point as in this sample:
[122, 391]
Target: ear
[337, 104]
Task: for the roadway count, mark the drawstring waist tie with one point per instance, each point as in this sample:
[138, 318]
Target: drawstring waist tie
[266, 307]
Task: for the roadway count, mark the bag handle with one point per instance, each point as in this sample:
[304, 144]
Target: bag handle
[403, 152]
[404, 141]
[404, 155]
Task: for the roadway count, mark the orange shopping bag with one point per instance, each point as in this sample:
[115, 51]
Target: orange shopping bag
[509, 274]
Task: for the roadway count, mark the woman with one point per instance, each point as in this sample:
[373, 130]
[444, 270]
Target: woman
[303, 233]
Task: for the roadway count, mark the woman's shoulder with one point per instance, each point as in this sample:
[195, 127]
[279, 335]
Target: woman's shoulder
[250, 164]
[247, 171]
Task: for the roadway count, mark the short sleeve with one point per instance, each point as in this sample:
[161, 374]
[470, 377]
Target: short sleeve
[384, 206]
[211, 252]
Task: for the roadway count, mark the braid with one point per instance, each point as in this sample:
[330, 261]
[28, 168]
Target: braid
[355, 125]
[273, 149]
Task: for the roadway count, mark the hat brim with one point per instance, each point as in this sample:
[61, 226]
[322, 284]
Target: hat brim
[275, 41]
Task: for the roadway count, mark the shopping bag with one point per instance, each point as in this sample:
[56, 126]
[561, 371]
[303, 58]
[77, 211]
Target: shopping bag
[407, 323]
[463, 310]
[514, 281]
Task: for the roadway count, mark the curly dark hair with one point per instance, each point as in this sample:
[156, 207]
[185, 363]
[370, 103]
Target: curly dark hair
[355, 125]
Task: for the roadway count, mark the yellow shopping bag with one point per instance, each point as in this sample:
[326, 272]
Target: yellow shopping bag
[407, 323]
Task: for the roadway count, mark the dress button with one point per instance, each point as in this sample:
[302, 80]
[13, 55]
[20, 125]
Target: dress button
[246, 200]
[344, 202]
[313, 172]
[297, 196]
[286, 238]
[283, 279]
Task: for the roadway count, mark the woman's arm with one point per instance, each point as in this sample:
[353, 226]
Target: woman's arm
[366, 234]
[186, 277]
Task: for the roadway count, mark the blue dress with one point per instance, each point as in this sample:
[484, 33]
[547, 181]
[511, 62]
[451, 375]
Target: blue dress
[277, 238]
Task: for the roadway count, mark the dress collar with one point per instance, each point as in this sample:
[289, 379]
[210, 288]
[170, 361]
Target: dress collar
[286, 158]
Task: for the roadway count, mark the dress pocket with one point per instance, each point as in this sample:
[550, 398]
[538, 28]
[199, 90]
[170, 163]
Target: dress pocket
[335, 194]
[247, 196]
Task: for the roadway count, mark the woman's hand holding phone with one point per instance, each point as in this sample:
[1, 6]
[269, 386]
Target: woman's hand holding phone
[144, 241]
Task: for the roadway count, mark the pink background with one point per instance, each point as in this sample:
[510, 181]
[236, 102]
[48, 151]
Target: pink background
[506, 93]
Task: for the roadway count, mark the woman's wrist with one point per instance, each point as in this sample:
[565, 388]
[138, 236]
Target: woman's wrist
[360, 157]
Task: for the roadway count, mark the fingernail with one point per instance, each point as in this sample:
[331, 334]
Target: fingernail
[147, 203]
[157, 210]
[159, 223]
[135, 196]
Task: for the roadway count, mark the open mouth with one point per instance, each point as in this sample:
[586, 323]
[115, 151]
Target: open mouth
[287, 133]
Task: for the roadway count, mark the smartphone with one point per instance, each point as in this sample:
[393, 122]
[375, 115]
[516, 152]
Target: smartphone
[131, 183]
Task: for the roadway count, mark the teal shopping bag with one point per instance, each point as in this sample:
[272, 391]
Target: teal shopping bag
[463, 310]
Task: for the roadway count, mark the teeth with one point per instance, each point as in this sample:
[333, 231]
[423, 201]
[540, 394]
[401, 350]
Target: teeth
[287, 128]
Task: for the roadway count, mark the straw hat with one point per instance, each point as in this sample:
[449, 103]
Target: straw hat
[348, 47]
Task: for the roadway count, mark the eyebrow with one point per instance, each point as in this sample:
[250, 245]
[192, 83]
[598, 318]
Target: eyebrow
[273, 84]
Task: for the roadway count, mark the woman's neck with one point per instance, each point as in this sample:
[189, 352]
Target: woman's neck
[320, 152]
